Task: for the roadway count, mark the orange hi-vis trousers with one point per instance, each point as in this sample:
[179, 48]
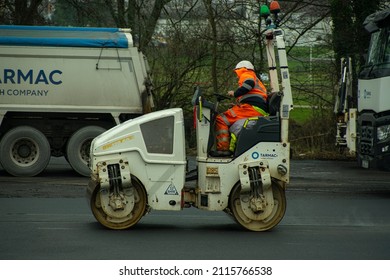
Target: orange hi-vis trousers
[226, 119]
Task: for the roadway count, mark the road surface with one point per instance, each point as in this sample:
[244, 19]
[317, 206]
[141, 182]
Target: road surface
[335, 211]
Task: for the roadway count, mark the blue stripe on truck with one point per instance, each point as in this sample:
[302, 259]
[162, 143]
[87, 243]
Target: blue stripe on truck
[93, 37]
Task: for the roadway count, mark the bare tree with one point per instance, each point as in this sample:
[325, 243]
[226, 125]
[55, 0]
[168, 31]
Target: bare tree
[82, 13]
[181, 61]
[214, 42]
[140, 15]
[25, 12]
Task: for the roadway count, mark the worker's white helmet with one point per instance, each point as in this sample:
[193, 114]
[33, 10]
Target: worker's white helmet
[245, 64]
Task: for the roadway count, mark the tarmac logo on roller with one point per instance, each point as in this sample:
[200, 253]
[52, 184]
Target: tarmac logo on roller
[171, 190]
[255, 155]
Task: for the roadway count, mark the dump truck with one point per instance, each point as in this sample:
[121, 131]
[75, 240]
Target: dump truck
[60, 87]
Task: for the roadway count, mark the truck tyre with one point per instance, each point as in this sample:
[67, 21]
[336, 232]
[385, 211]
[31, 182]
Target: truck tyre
[24, 151]
[77, 150]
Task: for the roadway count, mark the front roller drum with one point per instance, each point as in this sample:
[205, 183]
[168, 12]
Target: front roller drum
[122, 211]
[261, 213]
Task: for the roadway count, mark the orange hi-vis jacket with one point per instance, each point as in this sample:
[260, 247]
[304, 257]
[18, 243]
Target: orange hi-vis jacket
[252, 98]
[257, 90]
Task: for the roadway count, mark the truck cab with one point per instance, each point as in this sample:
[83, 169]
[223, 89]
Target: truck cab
[373, 145]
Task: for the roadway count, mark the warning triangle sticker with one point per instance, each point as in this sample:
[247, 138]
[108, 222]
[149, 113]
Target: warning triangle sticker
[171, 190]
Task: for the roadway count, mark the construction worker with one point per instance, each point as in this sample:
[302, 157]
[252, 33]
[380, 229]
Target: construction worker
[251, 96]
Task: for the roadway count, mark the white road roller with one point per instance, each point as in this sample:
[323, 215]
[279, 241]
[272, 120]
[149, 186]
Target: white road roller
[140, 165]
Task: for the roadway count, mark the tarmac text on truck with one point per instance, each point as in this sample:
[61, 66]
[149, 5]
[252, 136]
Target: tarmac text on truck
[60, 87]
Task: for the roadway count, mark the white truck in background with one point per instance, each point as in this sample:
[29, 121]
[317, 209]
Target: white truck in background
[365, 130]
[60, 87]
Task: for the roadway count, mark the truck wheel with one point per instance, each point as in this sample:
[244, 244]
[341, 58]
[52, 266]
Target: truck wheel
[24, 151]
[261, 220]
[77, 150]
[134, 209]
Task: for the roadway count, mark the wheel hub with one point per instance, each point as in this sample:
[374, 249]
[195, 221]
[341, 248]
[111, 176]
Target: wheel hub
[118, 207]
[84, 150]
[258, 204]
[255, 209]
[24, 151]
[117, 202]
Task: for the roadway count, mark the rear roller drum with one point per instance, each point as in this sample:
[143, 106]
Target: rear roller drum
[259, 213]
[119, 209]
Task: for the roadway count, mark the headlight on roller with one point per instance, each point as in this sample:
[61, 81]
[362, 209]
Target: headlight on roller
[383, 132]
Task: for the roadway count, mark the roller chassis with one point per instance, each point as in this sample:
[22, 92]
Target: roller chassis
[250, 188]
[141, 165]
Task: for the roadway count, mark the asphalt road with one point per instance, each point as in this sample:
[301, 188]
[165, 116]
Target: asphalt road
[59, 180]
[335, 211]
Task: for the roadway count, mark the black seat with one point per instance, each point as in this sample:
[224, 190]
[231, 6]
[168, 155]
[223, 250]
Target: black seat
[265, 129]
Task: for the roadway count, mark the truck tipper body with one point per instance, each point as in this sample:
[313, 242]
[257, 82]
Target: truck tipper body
[60, 87]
